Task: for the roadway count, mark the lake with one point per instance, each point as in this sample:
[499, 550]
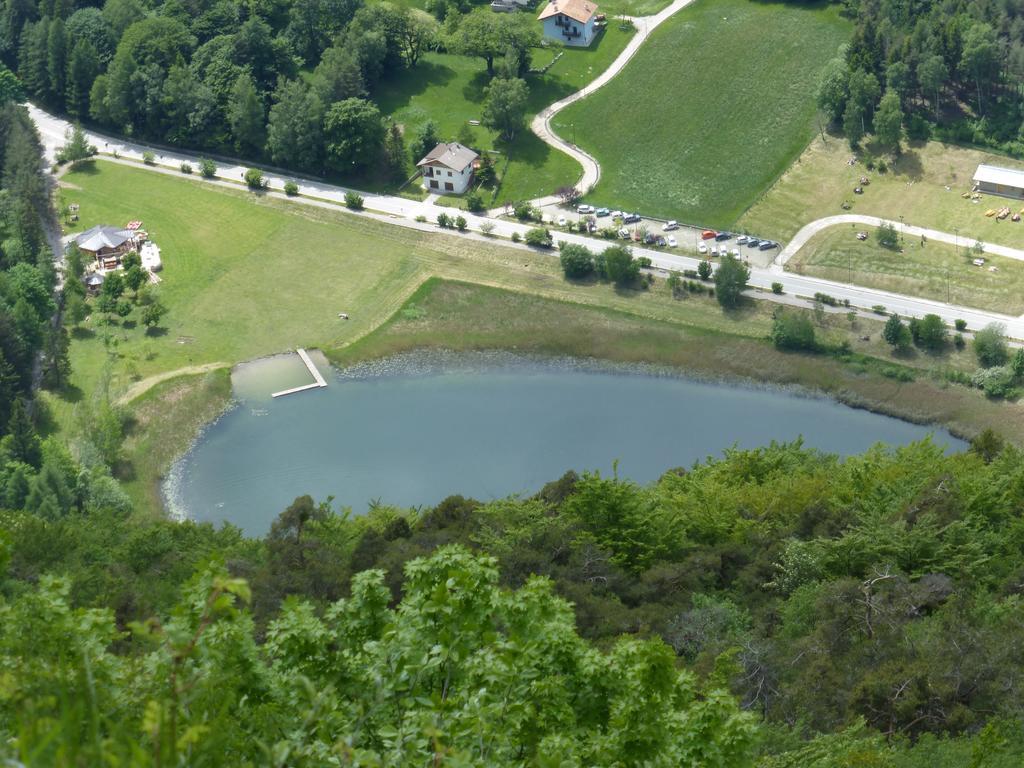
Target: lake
[412, 430]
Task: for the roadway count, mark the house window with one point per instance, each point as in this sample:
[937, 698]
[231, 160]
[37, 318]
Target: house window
[433, 183]
[449, 187]
[449, 173]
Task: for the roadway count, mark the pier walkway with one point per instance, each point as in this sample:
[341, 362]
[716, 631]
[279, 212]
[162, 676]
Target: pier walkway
[318, 379]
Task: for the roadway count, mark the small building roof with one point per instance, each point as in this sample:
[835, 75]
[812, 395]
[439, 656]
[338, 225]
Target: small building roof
[95, 279]
[101, 236]
[993, 174]
[451, 154]
[580, 10]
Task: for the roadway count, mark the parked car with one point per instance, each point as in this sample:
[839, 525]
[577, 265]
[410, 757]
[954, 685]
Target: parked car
[624, 233]
[602, 212]
[648, 239]
[561, 221]
[659, 240]
[714, 250]
[584, 209]
[616, 214]
[736, 252]
[669, 226]
[592, 226]
[741, 239]
[723, 236]
[631, 218]
[671, 241]
[702, 248]
[767, 245]
[753, 243]
[708, 234]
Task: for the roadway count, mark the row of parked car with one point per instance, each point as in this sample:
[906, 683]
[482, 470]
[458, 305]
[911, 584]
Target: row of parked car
[708, 234]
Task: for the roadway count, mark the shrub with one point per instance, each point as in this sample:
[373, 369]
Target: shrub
[207, 168]
[254, 179]
[990, 345]
[487, 227]
[620, 266]
[825, 298]
[958, 341]
[792, 331]
[474, 202]
[444, 221]
[186, 168]
[523, 211]
[883, 167]
[515, 237]
[899, 374]
[997, 382]
[960, 325]
[643, 262]
[577, 261]
[461, 223]
[704, 270]
[420, 218]
[539, 237]
[148, 158]
[929, 333]
[291, 188]
[690, 273]
[354, 201]
[777, 289]
[896, 334]
[879, 309]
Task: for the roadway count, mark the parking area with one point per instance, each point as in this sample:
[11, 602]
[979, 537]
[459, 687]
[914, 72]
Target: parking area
[611, 224]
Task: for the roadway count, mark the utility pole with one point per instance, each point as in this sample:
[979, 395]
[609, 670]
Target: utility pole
[956, 241]
[902, 239]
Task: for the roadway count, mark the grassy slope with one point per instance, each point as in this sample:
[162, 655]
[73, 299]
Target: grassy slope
[460, 316]
[818, 184]
[449, 90]
[921, 270]
[711, 110]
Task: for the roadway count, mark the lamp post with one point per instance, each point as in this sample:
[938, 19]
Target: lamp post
[573, 126]
[956, 241]
[902, 239]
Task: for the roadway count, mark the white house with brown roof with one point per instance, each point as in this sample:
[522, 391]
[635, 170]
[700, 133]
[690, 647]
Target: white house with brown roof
[572, 22]
[448, 168]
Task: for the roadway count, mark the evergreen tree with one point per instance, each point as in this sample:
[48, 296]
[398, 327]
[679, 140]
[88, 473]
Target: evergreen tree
[889, 121]
[246, 116]
[24, 440]
[83, 67]
[57, 60]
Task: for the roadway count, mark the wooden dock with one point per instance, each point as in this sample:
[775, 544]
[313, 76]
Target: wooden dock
[318, 379]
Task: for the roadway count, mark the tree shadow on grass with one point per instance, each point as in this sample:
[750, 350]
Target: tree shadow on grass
[473, 91]
[400, 90]
[909, 164]
[156, 331]
[69, 393]
[82, 334]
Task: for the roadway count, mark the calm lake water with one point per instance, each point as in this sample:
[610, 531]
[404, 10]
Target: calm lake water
[413, 430]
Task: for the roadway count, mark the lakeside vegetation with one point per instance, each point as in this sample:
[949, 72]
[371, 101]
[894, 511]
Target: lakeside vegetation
[930, 269]
[712, 109]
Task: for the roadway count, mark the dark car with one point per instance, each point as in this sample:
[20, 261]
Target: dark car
[723, 236]
[754, 243]
[767, 245]
[631, 218]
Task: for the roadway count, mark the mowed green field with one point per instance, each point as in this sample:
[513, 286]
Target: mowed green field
[713, 108]
[449, 90]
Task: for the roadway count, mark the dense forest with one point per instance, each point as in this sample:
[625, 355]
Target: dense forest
[774, 607]
[289, 82]
[948, 69]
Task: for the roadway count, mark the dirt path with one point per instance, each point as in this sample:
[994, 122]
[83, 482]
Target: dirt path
[141, 387]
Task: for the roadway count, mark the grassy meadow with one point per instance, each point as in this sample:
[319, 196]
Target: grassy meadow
[449, 90]
[931, 270]
[713, 108]
[914, 186]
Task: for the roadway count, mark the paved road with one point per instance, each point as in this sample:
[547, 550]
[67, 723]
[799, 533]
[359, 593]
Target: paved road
[541, 124]
[810, 230]
[401, 212]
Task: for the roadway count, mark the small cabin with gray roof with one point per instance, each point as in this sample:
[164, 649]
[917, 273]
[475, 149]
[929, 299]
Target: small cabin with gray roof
[994, 180]
[106, 244]
[448, 168]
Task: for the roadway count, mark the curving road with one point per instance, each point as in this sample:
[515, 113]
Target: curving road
[541, 125]
[401, 212]
[810, 230]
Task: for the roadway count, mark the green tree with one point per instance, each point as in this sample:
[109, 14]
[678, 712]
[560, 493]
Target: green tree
[932, 74]
[577, 261]
[979, 57]
[153, 313]
[704, 269]
[619, 265]
[83, 67]
[24, 442]
[889, 121]
[134, 278]
[339, 76]
[491, 35]
[730, 281]
[505, 104]
[354, 135]
[929, 333]
[539, 237]
[254, 179]
[246, 115]
[294, 136]
[76, 146]
[833, 89]
[426, 139]
[792, 331]
[990, 345]
[57, 60]
[887, 236]
[853, 122]
[896, 334]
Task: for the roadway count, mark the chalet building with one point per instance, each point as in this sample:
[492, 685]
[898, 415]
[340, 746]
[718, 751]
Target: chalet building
[994, 180]
[106, 244]
[448, 168]
[571, 22]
